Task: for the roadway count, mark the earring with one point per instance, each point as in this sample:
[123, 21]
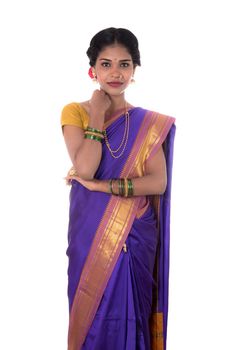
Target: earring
[133, 80]
[92, 74]
[94, 78]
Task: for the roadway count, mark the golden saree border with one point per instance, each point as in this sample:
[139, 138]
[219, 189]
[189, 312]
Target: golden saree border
[158, 133]
[108, 242]
[110, 119]
[151, 136]
[156, 331]
[112, 233]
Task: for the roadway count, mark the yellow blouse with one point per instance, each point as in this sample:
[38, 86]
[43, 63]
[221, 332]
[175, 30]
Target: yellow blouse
[74, 114]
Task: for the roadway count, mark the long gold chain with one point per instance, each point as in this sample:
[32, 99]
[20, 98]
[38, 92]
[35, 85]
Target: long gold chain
[123, 142]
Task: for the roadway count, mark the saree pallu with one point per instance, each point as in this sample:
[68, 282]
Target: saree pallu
[118, 248]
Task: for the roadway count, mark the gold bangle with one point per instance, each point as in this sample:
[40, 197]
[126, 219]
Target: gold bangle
[111, 183]
[94, 130]
[94, 134]
[110, 186]
[125, 187]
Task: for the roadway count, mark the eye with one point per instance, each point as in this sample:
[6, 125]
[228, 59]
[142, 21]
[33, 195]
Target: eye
[105, 64]
[124, 64]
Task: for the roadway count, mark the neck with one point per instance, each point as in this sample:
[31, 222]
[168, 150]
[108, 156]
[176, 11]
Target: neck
[117, 103]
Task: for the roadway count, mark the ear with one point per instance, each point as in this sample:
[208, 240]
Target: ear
[94, 73]
[133, 80]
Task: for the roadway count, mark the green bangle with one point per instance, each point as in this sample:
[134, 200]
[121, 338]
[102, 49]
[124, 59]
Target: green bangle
[92, 137]
[94, 130]
[110, 186]
[130, 188]
[121, 187]
[125, 187]
[93, 133]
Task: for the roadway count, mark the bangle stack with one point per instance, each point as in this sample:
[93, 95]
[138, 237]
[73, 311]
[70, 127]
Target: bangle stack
[93, 134]
[125, 187]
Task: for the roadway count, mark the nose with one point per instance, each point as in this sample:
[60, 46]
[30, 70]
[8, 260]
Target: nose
[116, 73]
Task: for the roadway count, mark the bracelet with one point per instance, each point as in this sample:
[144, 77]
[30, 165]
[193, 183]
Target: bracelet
[93, 137]
[125, 187]
[111, 186]
[121, 187]
[94, 130]
[111, 181]
[130, 188]
[94, 134]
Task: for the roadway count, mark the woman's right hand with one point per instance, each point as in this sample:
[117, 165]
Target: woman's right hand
[99, 104]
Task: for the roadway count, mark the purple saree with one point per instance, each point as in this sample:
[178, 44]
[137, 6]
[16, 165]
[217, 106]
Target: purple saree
[118, 249]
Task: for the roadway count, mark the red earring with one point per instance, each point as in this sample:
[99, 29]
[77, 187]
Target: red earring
[91, 74]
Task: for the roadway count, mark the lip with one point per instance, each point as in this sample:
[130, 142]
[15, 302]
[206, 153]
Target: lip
[115, 84]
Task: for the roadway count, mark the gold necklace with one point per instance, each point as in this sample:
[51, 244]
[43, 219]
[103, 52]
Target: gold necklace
[124, 139]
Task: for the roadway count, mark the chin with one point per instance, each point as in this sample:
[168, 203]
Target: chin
[114, 92]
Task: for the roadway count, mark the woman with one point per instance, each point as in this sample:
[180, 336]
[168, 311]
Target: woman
[118, 252]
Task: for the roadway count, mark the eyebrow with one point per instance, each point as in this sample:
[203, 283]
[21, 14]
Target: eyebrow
[108, 60]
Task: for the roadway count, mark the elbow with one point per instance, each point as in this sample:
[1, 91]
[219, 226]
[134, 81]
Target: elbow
[83, 169]
[162, 190]
[163, 183]
[85, 173]
[162, 187]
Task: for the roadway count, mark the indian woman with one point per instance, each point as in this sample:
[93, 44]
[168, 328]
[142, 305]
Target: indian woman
[119, 216]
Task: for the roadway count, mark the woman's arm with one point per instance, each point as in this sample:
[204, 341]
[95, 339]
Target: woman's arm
[85, 154]
[155, 179]
[153, 182]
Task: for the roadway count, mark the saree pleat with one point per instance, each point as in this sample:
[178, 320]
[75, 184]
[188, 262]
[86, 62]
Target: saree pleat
[121, 321]
[79, 244]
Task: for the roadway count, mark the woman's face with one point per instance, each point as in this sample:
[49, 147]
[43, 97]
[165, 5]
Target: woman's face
[114, 69]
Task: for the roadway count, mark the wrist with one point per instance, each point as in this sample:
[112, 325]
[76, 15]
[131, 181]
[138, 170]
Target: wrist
[102, 186]
[96, 123]
[97, 118]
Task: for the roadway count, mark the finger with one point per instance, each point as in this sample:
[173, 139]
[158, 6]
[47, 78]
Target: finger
[72, 172]
[73, 177]
[103, 91]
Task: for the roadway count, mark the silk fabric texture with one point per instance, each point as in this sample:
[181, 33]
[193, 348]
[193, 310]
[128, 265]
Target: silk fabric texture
[118, 298]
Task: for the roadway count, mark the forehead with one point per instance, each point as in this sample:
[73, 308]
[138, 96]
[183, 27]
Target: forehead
[114, 52]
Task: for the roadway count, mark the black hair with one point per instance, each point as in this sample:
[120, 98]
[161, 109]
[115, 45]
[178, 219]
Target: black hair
[110, 36]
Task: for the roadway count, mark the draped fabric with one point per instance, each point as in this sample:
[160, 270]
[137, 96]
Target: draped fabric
[118, 248]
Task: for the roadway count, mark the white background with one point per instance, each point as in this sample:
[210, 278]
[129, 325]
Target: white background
[187, 72]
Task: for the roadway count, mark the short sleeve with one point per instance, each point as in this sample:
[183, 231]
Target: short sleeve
[74, 114]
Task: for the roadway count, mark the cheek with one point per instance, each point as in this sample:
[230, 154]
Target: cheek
[101, 77]
[128, 78]
[101, 72]
[129, 74]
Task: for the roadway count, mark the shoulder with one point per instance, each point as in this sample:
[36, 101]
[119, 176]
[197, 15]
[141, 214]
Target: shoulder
[74, 113]
[72, 107]
[159, 117]
[147, 115]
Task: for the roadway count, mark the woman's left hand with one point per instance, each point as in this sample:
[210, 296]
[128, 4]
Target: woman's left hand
[91, 185]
